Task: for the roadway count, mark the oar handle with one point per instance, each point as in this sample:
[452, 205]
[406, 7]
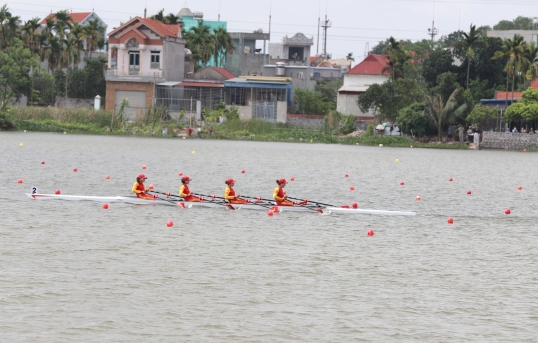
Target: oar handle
[315, 202]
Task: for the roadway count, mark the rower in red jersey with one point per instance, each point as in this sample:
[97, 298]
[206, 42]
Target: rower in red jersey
[279, 194]
[229, 193]
[140, 190]
[185, 192]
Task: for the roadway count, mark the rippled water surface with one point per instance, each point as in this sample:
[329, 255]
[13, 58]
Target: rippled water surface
[73, 272]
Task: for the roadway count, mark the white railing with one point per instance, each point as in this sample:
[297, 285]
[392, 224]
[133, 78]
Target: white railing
[150, 73]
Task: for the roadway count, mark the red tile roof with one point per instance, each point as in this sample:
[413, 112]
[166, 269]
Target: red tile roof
[160, 28]
[224, 72]
[77, 17]
[501, 95]
[371, 65]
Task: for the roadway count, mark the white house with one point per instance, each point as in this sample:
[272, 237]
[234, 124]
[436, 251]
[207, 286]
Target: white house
[357, 80]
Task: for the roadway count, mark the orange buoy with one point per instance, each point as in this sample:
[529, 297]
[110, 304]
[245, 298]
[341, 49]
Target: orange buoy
[105, 206]
[150, 187]
[418, 197]
[19, 180]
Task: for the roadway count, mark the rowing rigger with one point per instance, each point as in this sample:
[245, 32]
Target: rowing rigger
[210, 204]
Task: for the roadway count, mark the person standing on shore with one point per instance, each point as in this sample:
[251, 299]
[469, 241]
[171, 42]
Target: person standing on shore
[461, 129]
[140, 190]
[185, 192]
[229, 193]
[450, 135]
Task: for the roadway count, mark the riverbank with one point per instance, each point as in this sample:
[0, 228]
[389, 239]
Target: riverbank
[83, 121]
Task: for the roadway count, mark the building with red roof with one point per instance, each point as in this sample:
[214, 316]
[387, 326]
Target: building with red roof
[81, 18]
[373, 69]
[142, 52]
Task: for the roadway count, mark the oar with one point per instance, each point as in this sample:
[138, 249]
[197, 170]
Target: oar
[177, 196]
[320, 203]
[273, 208]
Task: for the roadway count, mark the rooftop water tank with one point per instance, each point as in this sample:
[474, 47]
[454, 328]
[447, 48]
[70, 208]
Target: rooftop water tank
[280, 68]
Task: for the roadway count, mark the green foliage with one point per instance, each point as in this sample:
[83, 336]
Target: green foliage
[439, 61]
[310, 102]
[220, 110]
[332, 122]
[520, 23]
[328, 91]
[16, 62]
[440, 112]
[481, 114]
[389, 97]
[526, 108]
[411, 119]
[349, 124]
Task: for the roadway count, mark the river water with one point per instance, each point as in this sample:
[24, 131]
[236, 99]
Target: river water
[73, 272]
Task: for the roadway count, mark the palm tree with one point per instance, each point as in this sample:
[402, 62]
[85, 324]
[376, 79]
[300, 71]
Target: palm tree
[530, 61]
[9, 26]
[53, 52]
[62, 22]
[513, 49]
[470, 40]
[172, 19]
[223, 46]
[440, 112]
[158, 16]
[30, 35]
[91, 33]
[201, 43]
[397, 56]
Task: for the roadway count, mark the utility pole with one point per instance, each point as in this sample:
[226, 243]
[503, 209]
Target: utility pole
[433, 31]
[326, 25]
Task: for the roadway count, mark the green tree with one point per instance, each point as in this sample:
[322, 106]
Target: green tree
[201, 43]
[470, 40]
[512, 50]
[15, 65]
[481, 114]
[452, 38]
[388, 98]
[440, 112]
[439, 61]
[309, 102]
[411, 119]
[328, 91]
[397, 56]
[30, 35]
[223, 45]
[526, 108]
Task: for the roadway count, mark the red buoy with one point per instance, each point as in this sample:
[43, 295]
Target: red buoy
[346, 175]
[143, 167]
[150, 187]
[292, 178]
[469, 192]
[243, 171]
[450, 221]
[371, 233]
[355, 205]
[19, 181]
[75, 170]
[352, 188]
[105, 206]
[270, 213]
[42, 162]
[180, 174]
[418, 197]
[520, 188]
[507, 211]
[450, 180]
[57, 191]
[107, 177]
[402, 183]
[170, 223]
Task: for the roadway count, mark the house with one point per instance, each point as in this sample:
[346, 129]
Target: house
[304, 77]
[502, 98]
[81, 18]
[528, 35]
[246, 59]
[259, 97]
[356, 81]
[142, 53]
[293, 50]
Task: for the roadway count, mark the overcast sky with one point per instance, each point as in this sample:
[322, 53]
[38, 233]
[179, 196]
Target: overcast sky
[354, 22]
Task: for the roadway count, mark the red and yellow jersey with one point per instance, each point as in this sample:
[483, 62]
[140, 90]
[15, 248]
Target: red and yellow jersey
[229, 193]
[279, 194]
[184, 191]
[139, 188]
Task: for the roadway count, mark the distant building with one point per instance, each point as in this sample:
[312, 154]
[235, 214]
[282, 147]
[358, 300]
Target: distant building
[142, 52]
[246, 58]
[294, 50]
[304, 77]
[192, 19]
[528, 35]
[358, 80]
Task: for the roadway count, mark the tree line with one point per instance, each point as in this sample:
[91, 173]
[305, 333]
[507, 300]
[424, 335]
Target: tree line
[434, 86]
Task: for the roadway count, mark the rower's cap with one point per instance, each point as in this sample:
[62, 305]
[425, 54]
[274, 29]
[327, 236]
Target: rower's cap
[142, 176]
[282, 181]
[186, 178]
[229, 181]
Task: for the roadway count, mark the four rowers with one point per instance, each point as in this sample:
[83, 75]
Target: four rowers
[279, 194]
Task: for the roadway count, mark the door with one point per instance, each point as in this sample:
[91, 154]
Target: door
[134, 62]
[136, 106]
[265, 110]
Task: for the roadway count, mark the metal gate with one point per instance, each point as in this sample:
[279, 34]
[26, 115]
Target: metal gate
[265, 110]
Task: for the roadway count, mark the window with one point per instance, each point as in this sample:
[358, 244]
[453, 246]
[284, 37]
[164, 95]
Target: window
[535, 38]
[155, 60]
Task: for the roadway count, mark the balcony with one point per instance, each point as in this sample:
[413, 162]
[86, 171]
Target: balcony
[133, 75]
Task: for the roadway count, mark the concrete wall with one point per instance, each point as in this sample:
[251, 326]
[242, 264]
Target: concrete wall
[528, 35]
[281, 111]
[364, 80]
[347, 104]
[307, 121]
[112, 87]
[245, 112]
[173, 59]
[74, 103]
[241, 64]
[501, 140]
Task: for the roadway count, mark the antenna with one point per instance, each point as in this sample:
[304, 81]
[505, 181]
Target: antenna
[433, 31]
[326, 25]
[219, 9]
[319, 23]
[366, 49]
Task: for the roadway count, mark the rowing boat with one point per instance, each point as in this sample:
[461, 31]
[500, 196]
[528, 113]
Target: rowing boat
[214, 204]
